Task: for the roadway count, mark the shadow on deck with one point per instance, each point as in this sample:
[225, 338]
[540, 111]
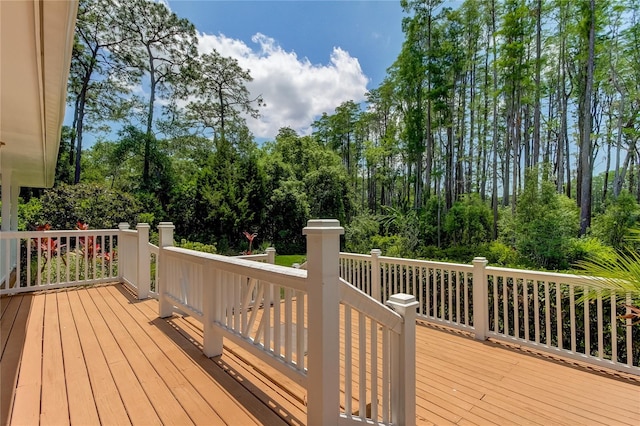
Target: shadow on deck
[98, 355]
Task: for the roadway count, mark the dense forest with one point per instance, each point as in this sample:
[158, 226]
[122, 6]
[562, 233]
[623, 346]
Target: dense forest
[505, 128]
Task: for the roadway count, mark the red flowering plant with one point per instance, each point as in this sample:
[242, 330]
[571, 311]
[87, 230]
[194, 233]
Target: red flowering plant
[89, 246]
[49, 247]
[250, 237]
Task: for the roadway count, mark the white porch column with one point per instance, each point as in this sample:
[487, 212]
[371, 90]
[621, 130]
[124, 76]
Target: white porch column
[323, 298]
[6, 200]
[15, 193]
[165, 239]
[5, 258]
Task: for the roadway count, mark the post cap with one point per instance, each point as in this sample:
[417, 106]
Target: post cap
[323, 226]
[123, 225]
[142, 225]
[402, 298]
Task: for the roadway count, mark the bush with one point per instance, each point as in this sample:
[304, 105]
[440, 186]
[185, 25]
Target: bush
[545, 222]
[620, 215]
[63, 206]
[359, 232]
[393, 245]
[588, 248]
[500, 254]
[194, 245]
[469, 221]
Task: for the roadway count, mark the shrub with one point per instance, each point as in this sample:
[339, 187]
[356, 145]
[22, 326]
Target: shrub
[620, 215]
[359, 232]
[194, 245]
[588, 248]
[66, 205]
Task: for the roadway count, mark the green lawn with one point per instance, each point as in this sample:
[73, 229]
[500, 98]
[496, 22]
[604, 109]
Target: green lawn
[288, 260]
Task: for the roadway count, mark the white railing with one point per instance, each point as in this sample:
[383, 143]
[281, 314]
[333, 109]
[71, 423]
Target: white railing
[269, 256]
[267, 310]
[258, 306]
[372, 365]
[153, 273]
[56, 259]
[530, 308]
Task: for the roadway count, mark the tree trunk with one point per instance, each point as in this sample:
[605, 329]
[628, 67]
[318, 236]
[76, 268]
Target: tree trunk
[585, 143]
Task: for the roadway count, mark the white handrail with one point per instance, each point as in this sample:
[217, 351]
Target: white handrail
[543, 314]
[41, 260]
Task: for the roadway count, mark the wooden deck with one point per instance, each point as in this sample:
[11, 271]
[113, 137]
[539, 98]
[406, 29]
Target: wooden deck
[96, 355]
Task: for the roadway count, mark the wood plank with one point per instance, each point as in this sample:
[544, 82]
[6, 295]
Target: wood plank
[138, 406]
[12, 306]
[164, 385]
[105, 392]
[26, 405]
[208, 374]
[153, 384]
[82, 405]
[126, 350]
[12, 354]
[54, 409]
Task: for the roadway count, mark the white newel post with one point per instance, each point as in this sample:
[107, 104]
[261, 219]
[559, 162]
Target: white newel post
[165, 239]
[480, 298]
[124, 254]
[323, 298]
[144, 261]
[376, 291]
[404, 393]
[271, 255]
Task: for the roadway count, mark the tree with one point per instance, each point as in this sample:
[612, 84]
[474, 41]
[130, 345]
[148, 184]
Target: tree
[161, 46]
[220, 92]
[95, 81]
[585, 165]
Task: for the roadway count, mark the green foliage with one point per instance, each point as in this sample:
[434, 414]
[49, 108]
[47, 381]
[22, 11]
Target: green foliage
[617, 274]
[544, 223]
[359, 232]
[500, 254]
[287, 214]
[328, 193]
[620, 215]
[583, 248]
[30, 214]
[392, 245]
[469, 221]
[194, 245]
[63, 206]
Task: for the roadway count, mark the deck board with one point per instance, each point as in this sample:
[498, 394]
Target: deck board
[98, 355]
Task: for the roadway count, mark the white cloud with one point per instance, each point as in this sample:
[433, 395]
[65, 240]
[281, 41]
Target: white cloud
[296, 92]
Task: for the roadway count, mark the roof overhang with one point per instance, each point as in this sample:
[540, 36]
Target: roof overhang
[36, 41]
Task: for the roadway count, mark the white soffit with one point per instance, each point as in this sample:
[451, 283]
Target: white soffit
[36, 41]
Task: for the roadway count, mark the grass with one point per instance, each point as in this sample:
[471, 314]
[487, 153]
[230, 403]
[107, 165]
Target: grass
[290, 259]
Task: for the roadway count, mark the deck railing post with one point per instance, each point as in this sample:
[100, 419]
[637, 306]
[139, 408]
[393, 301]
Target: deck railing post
[144, 261]
[213, 340]
[403, 394]
[165, 239]
[323, 299]
[480, 298]
[376, 291]
[271, 255]
[124, 255]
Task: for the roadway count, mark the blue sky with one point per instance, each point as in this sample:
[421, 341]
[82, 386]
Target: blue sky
[306, 57]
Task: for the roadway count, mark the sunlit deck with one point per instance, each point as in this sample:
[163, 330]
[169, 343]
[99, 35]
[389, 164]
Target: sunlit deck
[98, 355]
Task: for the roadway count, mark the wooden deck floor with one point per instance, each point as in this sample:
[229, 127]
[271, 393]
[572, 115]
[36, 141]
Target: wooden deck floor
[96, 355]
